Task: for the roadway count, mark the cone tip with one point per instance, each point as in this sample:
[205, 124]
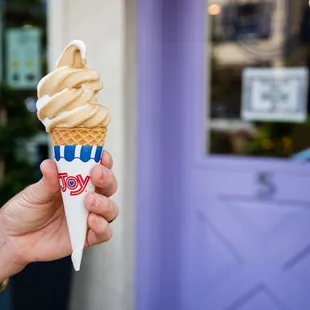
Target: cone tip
[77, 258]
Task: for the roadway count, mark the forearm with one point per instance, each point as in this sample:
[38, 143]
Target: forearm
[7, 267]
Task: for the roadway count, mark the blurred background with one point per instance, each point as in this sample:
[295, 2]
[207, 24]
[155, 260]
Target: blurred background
[210, 135]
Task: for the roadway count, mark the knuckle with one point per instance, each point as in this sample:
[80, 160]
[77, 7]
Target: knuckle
[28, 193]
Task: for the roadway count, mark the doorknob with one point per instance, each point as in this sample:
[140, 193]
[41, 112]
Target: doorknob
[265, 185]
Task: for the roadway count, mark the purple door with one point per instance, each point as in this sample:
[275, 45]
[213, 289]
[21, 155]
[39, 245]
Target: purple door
[223, 213]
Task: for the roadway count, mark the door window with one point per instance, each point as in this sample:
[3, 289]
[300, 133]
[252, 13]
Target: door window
[258, 59]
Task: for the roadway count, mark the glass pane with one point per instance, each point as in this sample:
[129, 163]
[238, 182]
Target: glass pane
[257, 77]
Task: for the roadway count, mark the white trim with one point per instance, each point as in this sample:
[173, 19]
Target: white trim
[93, 152]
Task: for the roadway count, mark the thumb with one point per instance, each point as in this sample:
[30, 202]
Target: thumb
[48, 186]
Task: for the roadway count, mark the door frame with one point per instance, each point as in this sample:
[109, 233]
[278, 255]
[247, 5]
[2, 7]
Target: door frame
[169, 76]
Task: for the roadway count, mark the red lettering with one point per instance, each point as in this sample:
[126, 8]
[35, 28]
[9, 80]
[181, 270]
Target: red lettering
[62, 177]
[76, 185]
[82, 183]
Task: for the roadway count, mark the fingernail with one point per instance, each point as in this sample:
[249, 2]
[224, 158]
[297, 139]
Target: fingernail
[95, 200]
[110, 162]
[104, 154]
[95, 219]
[104, 173]
[91, 198]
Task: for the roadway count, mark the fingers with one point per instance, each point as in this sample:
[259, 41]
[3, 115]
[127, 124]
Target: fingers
[101, 206]
[104, 179]
[100, 230]
[47, 187]
[102, 176]
[102, 211]
[107, 160]
[50, 180]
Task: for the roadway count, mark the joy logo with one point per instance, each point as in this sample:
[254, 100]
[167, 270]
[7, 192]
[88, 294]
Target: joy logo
[76, 185]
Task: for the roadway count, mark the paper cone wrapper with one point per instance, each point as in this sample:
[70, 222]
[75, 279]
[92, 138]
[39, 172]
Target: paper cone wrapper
[74, 163]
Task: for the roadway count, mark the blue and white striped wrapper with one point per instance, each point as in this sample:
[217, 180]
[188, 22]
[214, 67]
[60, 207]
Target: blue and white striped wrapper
[74, 165]
[82, 152]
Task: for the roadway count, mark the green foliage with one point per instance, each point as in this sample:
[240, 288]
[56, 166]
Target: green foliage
[272, 140]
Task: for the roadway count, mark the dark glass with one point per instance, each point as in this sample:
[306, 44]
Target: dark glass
[255, 34]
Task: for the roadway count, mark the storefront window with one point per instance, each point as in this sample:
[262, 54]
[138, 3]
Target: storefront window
[24, 144]
[23, 62]
[257, 79]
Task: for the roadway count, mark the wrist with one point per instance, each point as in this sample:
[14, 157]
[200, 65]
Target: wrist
[7, 266]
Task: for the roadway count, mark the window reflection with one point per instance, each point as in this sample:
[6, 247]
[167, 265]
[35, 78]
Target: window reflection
[256, 34]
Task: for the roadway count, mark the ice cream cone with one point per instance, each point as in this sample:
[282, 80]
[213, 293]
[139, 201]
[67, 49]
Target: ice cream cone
[76, 152]
[78, 136]
[68, 107]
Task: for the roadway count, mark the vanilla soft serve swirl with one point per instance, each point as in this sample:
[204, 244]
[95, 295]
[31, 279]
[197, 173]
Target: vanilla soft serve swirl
[67, 97]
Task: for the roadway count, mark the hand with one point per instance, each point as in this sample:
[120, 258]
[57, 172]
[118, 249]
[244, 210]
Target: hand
[33, 224]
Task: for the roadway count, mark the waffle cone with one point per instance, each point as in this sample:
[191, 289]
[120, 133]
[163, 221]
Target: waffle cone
[79, 136]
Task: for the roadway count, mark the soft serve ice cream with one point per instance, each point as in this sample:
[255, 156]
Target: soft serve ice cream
[67, 106]
[68, 95]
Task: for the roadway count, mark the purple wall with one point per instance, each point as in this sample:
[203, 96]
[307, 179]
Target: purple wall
[148, 155]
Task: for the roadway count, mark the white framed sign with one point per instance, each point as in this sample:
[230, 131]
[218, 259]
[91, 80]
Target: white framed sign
[275, 94]
[23, 57]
